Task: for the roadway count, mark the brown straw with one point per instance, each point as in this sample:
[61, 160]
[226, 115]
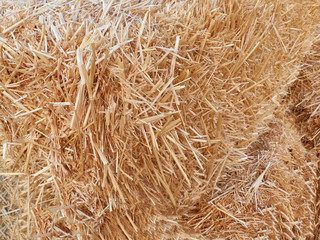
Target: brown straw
[159, 119]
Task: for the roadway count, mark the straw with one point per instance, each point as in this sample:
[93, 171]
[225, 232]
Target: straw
[159, 119]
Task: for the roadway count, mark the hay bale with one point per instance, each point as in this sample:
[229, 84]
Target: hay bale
[157, 119]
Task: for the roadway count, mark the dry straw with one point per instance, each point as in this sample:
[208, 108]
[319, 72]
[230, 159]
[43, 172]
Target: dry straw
[159, 119]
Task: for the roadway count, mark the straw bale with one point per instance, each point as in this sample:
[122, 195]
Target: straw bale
[159, 119]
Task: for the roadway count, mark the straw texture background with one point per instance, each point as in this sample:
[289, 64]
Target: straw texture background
[159, 119]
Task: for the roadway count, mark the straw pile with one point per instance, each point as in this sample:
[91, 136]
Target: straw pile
[159, 119]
